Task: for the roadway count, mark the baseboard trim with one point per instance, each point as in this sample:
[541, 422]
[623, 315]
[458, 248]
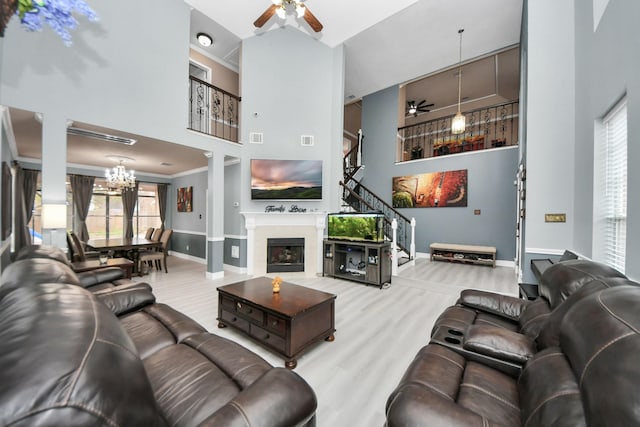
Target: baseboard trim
[188, 257]
[234, 269]
[214, 276]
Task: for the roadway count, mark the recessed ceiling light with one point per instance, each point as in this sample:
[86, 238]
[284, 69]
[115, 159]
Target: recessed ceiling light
[204, 39]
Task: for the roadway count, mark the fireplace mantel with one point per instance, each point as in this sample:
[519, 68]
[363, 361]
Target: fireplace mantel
[261, 225]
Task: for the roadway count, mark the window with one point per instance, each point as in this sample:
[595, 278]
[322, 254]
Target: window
[106, 213]
[611, 188]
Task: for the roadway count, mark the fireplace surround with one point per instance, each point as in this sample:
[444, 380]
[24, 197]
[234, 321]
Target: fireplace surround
[261, 226]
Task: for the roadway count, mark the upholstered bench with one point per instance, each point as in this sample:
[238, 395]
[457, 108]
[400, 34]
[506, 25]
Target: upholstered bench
[474, 254]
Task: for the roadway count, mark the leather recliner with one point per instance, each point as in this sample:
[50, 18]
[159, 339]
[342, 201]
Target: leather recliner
[476, 307]
[67, 359]
[590, 378]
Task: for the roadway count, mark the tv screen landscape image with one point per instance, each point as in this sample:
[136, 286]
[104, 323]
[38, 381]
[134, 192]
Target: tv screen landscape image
[286, 179]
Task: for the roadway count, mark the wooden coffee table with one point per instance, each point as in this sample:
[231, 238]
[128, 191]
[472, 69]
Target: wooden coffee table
[93, 264]
[288, 322]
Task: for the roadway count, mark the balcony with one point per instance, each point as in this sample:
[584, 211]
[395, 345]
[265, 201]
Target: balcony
[487, 128]
[213, 111]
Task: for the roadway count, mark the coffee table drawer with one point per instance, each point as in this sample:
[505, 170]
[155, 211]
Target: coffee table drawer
[234, 320]
[228, 303]
[267, 337]
[250, 311]
[276, 324]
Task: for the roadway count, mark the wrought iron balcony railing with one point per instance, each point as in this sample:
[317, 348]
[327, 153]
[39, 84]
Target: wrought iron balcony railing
[489, 127]
[212, 110]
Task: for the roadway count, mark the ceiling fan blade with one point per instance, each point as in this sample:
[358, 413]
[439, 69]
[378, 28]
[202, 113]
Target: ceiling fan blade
[312, 20]
[262, 19]
[421, 103]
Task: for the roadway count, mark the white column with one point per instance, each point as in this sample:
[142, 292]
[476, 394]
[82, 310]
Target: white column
[54, 171]
[320, 222]
[250, 225]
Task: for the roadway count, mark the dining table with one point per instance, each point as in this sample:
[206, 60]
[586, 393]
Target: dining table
[129, 246]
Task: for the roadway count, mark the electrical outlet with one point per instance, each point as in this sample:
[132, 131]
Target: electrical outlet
[187, 247]
[235, 251]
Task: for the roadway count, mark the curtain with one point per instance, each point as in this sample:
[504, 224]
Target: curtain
[82, 188]
[26, 186]
[162, 202]
[129, 199]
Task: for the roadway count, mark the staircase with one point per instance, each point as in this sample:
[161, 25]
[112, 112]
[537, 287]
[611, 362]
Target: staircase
[357, 197]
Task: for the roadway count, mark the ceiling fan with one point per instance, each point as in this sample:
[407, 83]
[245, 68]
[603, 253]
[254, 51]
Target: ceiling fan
[279, 7]
[421, 107]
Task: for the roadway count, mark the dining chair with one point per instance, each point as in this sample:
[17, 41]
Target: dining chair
[77, 249]
[149, 233]
[160, 256]
[156, 234]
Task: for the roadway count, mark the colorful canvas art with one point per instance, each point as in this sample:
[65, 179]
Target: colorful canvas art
[430, 190]
[185, 199]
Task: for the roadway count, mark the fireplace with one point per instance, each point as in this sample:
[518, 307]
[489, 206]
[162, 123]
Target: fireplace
[285, 255]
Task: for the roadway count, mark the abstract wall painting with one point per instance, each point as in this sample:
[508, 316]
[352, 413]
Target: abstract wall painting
[430, 190]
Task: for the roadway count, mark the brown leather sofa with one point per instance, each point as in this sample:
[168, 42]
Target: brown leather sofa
[72, 357]
[585, 347]
[95, 280]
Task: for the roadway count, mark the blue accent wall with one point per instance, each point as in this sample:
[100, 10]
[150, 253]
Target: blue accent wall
[491, 175]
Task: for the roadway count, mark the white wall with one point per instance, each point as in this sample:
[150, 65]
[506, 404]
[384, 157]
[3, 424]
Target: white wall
[292, 85]
[550, 124]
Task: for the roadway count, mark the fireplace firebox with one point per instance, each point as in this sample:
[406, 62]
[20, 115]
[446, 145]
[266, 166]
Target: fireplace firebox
[285, 255]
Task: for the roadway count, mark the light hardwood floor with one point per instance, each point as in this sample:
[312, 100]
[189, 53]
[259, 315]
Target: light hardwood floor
[378, 332]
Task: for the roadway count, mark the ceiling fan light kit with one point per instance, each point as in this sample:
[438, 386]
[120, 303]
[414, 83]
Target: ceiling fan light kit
[279, 8]
[458, 123]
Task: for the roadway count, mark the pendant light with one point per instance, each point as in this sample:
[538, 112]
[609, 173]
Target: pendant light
[458, 121]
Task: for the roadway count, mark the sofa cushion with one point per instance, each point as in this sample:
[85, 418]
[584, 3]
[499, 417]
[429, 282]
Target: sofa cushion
[550, 334]
[533, 317]
[66, 360]
[562, 279]
[441, 388]
[499, 343]
[43, 251]
[36, 271]
[200, 375]
[157, 326]
[490, 302]
[549, 392]
[605, 359]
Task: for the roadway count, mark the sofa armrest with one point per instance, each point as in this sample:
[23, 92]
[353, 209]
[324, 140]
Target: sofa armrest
[499, 343]
[279, 397]
[95, 277]
[126, 300]
[501, 305]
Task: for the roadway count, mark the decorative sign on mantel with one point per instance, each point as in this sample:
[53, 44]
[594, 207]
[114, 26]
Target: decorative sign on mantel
[281, 208]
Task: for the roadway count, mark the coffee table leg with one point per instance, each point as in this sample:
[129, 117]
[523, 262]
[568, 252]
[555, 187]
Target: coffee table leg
[291, 364]
[330, 338]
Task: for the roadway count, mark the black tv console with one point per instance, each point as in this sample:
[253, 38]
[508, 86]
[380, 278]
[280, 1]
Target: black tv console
[365, 262]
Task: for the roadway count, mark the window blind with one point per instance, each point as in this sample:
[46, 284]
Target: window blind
[614, 178]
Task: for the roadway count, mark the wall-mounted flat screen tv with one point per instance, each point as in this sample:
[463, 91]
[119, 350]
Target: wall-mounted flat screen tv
[286, 179]
[357, 227]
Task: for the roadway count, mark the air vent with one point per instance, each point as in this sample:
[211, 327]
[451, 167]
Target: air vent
[101, 136]
[306, 140]
[255, 138]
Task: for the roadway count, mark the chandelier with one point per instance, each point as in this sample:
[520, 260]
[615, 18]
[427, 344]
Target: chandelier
[118, 179]
[458, 122]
